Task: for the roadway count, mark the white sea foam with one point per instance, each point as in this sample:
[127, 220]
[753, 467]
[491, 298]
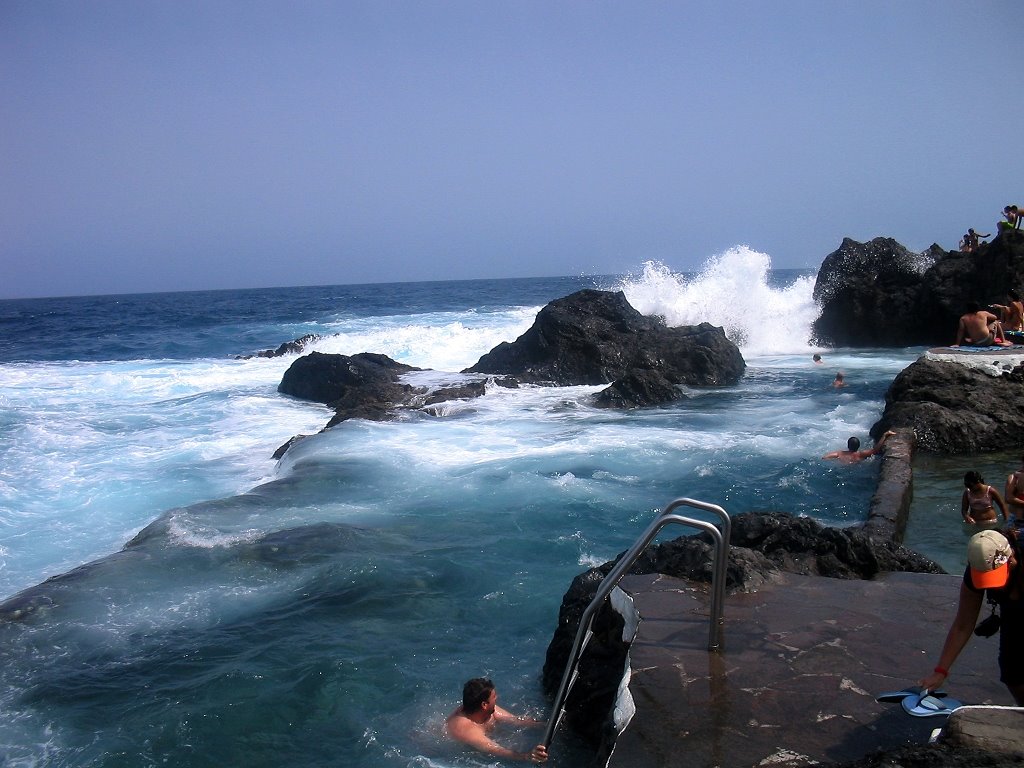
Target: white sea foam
[440, 341]
[732, 291]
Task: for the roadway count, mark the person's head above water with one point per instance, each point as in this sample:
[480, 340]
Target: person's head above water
[972, 479]
[853, 444]
[475, 693]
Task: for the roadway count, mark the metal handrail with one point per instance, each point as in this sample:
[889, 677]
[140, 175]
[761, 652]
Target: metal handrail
[583, 633]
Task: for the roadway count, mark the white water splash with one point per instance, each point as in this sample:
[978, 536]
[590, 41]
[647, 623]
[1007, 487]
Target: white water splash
[731, 291]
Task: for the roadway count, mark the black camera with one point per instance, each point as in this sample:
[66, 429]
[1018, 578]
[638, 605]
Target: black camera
[988, 627]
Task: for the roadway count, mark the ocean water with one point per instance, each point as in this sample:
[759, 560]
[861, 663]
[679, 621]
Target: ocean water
[325, 609]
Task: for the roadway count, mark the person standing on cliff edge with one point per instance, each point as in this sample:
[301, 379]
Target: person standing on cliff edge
[993, 567]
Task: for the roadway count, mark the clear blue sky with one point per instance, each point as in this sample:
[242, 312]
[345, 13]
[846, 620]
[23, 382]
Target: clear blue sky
[176, 145]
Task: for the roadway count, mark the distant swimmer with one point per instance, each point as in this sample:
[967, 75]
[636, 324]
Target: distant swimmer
[839, 381]
[816, 358]
[473, 722]
[854, 454]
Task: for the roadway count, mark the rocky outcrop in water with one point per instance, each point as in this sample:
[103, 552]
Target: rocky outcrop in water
[956, 408]
[288, 348]
[762, 546]
[363, 386]
[596, 337]
[590, 337]
[879, 294]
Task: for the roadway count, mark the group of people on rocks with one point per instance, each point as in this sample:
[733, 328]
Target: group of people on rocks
[979, 327]
[1012, 216]
[970, 241]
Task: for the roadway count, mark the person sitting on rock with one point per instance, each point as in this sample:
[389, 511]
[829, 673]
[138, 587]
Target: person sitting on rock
[1012, 314]
[1012, 217]
[979, 501]
[979, 328]
[854, 454]
[965, 243]
[993, 567]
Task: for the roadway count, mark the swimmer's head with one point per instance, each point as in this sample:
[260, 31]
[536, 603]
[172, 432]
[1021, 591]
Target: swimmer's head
[853, 444]
[816, 358]
[475, 693]
[972, 479]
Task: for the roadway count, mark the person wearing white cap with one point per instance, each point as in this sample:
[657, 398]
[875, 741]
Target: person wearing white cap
[991, 567]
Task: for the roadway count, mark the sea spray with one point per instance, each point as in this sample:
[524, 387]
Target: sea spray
[734, 291]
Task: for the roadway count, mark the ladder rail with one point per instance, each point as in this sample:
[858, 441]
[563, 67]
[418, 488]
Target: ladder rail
[610, 581]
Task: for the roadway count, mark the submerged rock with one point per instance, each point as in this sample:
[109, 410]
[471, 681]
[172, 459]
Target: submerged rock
[287, 348]
[636, 389]
[362, 386]
[596, 337]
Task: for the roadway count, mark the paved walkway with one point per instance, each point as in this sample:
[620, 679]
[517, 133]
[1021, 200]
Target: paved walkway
[796, 678]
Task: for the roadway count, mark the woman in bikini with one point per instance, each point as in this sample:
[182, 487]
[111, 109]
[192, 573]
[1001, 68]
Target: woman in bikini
[977, 506]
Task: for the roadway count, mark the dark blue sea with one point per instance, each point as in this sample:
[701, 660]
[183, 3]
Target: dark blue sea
[324, 610]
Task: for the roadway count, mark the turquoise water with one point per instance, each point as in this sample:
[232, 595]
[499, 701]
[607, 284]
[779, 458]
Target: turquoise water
[325, 609]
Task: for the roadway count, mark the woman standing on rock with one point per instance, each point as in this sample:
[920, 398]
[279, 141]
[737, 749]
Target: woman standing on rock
[992, 567]
[976, 505]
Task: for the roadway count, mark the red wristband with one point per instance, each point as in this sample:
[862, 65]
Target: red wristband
[943, 672]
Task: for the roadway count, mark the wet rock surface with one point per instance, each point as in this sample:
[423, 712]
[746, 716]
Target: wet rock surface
[287, 348]
[794, 684]
[764, 547]
[597, 337]
[953, 408]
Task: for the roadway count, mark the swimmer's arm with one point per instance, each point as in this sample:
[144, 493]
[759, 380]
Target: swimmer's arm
[504, 716]
[965, 508]
[832, 455]
[880, 444]
[481, 742]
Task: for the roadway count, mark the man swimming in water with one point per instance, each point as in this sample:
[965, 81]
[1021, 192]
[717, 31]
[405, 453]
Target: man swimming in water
[854, 454]
[473, 722]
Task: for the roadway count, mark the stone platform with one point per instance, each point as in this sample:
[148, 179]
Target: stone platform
[789, 687]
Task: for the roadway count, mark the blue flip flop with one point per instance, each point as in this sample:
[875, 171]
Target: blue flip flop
[897, 696]
[929, 705]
